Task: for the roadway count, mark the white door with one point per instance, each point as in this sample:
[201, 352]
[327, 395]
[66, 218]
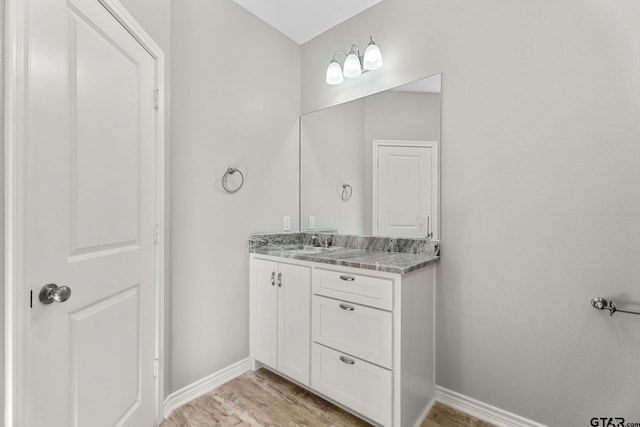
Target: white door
[405, 188]
[294, 313]
[90, 194]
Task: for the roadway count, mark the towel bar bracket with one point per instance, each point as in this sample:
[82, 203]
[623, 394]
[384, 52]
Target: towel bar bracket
[602, 304]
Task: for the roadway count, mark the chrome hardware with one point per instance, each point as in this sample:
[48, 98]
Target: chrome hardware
[156, 99]
[53, 293]
[230, 171]
[317, 241]
[602, 304]
[347, 360]
[347, 307]
[599, 303]
[273, 278]
[279, 280]
[347, 191]
[347, 278]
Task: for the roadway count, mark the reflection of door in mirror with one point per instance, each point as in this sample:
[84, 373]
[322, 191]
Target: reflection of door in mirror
[404, 192]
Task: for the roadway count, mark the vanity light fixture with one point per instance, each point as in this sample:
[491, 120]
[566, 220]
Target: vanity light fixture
[354, 63]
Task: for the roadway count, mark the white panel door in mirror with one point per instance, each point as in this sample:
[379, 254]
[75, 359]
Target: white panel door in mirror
[404, 188]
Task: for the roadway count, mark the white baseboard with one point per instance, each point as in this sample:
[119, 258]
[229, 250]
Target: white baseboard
[483, 411]
[203, 386]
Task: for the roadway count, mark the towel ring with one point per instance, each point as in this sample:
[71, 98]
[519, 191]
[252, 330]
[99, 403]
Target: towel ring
[230, 171]
[347, 190]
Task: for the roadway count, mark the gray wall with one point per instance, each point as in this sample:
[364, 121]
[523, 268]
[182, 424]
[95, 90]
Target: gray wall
[236, 102]
[540, 194]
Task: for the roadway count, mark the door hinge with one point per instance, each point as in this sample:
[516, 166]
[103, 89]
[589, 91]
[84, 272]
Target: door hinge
[156, 368]
[156, 234]
[156, 99]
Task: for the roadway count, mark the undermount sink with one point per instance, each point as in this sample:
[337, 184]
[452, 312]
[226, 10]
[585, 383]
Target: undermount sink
[311, 250]
[307, 251]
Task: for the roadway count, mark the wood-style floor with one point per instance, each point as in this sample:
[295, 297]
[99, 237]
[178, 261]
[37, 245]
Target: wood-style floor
[263, 398]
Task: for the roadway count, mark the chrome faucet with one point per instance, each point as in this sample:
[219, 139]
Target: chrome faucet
[318, 242]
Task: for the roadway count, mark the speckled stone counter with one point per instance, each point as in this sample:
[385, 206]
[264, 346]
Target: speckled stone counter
[393, 255]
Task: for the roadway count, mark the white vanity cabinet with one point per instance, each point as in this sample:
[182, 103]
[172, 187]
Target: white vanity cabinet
[280, 316]
[370, 337]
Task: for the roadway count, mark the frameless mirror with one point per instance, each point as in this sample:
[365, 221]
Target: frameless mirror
[371, 166]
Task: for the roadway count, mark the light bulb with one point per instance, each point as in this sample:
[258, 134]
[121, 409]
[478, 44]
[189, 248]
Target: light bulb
[352, 66]
[372, 56]
[334, 73]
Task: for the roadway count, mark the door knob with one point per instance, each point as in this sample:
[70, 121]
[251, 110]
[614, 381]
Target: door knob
[54, 293]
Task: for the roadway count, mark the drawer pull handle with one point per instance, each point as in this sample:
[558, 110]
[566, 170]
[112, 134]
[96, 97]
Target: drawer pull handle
[347, 307]
[347, 278]
[273, 278]
[347, 360]
[279, 280]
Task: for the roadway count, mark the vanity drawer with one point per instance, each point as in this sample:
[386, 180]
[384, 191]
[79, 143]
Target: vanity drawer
[360, 386]
[361, 289]
[354, 329]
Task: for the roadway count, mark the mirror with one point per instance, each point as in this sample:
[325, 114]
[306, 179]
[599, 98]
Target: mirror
[371, 166]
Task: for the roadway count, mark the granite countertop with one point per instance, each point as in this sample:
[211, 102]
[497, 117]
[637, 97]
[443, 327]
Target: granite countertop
[400, 256]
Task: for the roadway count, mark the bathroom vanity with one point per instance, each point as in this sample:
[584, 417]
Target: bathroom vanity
[353, 322]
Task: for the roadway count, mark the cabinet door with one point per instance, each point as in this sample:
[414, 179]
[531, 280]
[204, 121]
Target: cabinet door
[264, 315]
[294, 307]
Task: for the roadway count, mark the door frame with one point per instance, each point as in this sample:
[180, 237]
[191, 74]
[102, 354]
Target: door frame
[16, 290]
[435, 174]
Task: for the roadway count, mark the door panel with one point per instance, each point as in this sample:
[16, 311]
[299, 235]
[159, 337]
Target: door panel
[104, 147]
[294, 312]
[263, 279]
[404, 190]
[400, 186]
[90, 181]
[99, 364]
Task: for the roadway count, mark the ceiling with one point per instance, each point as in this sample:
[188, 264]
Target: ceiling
[302, 20]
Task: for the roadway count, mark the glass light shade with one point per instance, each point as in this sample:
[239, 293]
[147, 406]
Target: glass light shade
[372, 57]
[352, 66]
[334, 73]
